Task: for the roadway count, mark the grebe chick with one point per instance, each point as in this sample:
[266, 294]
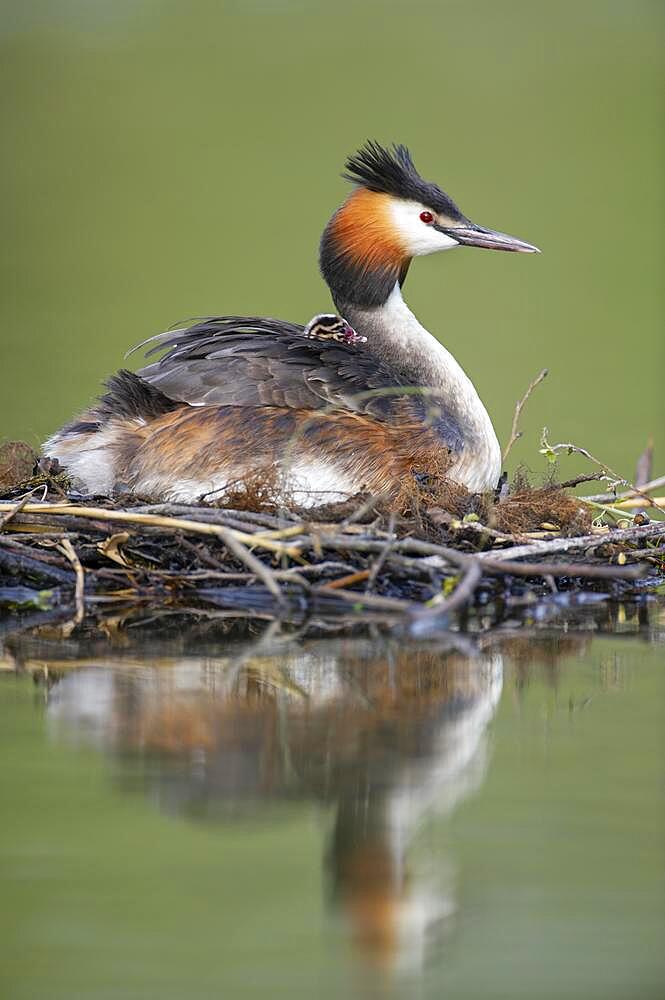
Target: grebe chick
[330, 326]
[325, 413]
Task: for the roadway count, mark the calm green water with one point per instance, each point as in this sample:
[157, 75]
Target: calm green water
[164, 160]
[234, 813]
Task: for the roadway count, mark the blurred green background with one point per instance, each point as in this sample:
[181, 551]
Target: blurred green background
[164, 160]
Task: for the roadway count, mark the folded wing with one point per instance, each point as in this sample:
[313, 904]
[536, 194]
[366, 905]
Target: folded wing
[239, 361]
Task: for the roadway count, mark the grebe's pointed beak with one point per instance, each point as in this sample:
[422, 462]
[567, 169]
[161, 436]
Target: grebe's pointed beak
[470, 235]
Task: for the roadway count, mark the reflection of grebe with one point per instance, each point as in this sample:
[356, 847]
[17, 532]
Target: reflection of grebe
[392, 908]
[389, 736]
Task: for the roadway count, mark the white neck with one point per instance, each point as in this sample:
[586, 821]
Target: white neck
[394, 333]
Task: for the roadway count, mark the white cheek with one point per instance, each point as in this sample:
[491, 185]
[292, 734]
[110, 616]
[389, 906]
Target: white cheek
[419, 237]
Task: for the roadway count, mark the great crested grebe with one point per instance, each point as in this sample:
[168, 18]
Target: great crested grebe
[364, 401]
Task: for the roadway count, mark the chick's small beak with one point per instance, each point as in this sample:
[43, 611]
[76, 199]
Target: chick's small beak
[470, 235]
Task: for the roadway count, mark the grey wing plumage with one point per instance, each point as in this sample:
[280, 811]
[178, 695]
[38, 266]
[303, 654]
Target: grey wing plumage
[249, 361]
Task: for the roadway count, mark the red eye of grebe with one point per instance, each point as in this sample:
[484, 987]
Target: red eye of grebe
[426, 217]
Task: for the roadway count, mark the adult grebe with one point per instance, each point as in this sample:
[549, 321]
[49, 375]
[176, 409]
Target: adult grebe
[363, 402]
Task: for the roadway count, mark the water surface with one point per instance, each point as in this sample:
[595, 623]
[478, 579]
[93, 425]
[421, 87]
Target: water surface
[233, 811]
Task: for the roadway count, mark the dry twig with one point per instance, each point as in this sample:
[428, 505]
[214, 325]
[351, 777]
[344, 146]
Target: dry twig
[584, 542]
[571, 569]
[67, 549]
[653, 484]
[253, 564]
[156, 521]
[552, 450]
[422, 621]
[516, 434]
[16, 509]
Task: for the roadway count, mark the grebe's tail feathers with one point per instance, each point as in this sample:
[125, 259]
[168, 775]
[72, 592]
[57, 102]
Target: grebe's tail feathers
[131, 397]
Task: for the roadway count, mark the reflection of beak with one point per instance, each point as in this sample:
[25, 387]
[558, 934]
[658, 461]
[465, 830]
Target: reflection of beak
[471, 235]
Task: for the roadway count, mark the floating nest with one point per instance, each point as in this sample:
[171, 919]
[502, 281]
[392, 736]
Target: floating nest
[442, 553]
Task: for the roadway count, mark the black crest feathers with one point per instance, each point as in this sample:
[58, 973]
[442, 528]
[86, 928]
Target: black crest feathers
[392, 171]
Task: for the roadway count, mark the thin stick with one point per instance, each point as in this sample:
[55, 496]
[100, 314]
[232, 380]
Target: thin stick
[252, 563]
[317, 569]
[516, 434]
[215, 515]
[587, 477]
[654, 484]
[364, 508]
[643, 470]
[422, 621]
[440, 516]
[655, 529]
[502, 566]
[67, 549]
[6, 518]
[552, 450]
[13, 560]
[348, 580]
[154, 521]
[365, 600]
[381, 558]
[277, 534]
[656, 552]
[632, 503]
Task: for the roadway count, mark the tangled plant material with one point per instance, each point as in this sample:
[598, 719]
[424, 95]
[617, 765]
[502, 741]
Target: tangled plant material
[524, 509]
